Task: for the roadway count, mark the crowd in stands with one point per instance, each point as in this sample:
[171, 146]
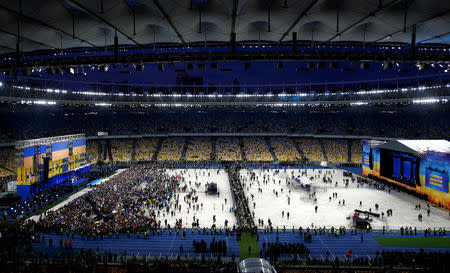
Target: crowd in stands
[121, 150]
[171, 149]
[285, 149]
[336, 150]
[145, 149]
[32, 122]
[356, 151]
[92, 152]
[7, 165]
[256, 149]
[199, 149]
[311, 149]
[228, 149]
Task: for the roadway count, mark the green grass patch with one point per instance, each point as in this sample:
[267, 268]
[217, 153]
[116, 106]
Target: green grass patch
[247, 239]
[51, 205]
[110, 174]
[413, 241]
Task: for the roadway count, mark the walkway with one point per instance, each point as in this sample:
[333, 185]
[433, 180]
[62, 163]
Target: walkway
[74, 196]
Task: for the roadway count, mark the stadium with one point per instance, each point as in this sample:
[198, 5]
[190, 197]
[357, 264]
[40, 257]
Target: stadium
[224, 136]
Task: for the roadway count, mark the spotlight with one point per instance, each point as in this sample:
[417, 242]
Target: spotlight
[70, 70]
[423, 66]
[160, 67]
[1, 84]
[139, 67]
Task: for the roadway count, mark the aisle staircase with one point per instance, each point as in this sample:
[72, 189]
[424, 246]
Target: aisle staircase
[213, 149]
[183, 153]
[241, 145]
[322, 146]
[349, 148]
[299, 149]
[6, 169]
[272, 152]
[158, 148]
[133, 150]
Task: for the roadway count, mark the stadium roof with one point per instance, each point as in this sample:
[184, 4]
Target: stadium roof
[418, 146]
[56, 24]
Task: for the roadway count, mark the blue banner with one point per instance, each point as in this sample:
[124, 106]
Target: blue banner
[366, 160]
[436, 180]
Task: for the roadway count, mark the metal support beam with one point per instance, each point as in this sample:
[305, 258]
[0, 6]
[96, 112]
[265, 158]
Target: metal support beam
[304, 12]
[390, 4]
[19, 20]
[116, 48]
[28, 39]
[199, 19]
[294, 42]
[416, 23]
[134, 21]
[48, 140]
[227, 54]
[169, 20]
[233, 42]
[413, 38]
[233, 19]
[26, 17]
[337, 16]
[93, 14]
[435, 37]
[7, 47]
[73, 25]
[405, 15]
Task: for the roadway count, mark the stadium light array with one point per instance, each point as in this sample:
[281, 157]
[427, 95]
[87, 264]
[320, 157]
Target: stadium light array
[242, 95]
[38, 102]
[103, 104]
[429, 101]
[359, 103]
[44, 102]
